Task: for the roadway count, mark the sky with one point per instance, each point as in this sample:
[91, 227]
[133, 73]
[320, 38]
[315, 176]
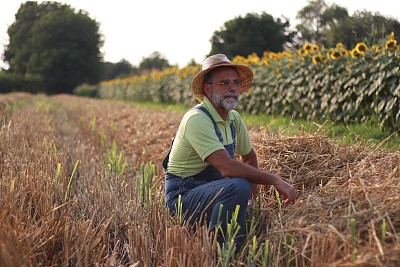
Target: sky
[179, 29]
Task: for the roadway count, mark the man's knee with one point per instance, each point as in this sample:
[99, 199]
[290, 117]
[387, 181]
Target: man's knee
[242, 186]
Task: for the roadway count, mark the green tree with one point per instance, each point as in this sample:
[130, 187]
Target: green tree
[311, 28]
[55, 44]
[366, 27]
[192, 62]
[17, 52]
[121, 69]
[327, 25]
[331, 21]
[155, 61]
[254, 33]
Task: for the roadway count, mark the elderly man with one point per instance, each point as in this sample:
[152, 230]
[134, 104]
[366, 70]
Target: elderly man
[201, 167]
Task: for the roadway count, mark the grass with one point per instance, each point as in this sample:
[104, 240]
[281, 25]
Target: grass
[350, 134]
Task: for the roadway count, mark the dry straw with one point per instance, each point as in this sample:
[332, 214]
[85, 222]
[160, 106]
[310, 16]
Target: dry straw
[347, 210]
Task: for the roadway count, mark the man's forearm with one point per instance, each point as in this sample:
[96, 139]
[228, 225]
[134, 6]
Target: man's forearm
[251, 159]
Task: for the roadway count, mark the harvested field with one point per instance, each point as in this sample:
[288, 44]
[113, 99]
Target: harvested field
[78, 188]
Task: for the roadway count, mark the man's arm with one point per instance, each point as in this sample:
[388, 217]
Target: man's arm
[251, 159]
[234, 168]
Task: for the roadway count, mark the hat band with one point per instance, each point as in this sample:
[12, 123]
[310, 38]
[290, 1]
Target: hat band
[219, 63]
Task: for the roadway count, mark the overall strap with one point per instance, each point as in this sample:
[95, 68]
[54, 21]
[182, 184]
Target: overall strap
[233, 129]
[230, 148]
[217, 131]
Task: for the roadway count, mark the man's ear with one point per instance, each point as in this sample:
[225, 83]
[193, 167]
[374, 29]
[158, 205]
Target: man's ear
[207, 90]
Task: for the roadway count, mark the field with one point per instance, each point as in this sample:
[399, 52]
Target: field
[81, 184]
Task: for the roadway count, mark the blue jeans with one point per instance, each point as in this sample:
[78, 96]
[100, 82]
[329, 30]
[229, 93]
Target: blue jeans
[201, 199]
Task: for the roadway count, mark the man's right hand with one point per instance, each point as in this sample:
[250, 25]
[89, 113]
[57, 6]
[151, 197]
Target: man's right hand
[287, 191]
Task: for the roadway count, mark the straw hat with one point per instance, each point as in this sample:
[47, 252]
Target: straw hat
[216, 61]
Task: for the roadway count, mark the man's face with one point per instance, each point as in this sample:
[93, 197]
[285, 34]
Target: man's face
[224, 88]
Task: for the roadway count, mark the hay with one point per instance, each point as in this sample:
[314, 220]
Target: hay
[347, 194]
[335, 184]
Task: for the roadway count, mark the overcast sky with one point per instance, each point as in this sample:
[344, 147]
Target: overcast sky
[179, 29]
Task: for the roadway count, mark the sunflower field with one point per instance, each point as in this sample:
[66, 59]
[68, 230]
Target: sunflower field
[360, 85]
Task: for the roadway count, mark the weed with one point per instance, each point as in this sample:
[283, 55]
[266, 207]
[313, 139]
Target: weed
[70, 181]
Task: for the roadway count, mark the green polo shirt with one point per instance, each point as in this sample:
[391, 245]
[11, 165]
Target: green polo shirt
[196, 139]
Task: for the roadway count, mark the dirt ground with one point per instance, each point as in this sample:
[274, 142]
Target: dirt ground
[143, 134]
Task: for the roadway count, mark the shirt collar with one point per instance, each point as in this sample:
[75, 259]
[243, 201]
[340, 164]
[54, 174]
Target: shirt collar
[209, 106]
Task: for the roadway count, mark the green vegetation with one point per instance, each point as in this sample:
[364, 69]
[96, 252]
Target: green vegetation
[313, 83]
[253, 33]
[326, 24]
[52, 49]
[348, 133]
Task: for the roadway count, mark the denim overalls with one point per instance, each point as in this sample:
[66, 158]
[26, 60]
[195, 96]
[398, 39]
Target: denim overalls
[203, 193]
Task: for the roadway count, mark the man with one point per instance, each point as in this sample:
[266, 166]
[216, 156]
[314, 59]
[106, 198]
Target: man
[201, 169]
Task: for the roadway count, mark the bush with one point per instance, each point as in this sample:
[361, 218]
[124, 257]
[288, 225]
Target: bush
[11, 82]
[86, 90]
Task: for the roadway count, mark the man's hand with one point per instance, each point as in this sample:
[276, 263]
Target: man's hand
[234, 168]
[287, 191]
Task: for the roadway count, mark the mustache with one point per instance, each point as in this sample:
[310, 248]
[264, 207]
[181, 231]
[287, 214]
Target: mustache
[235, 95]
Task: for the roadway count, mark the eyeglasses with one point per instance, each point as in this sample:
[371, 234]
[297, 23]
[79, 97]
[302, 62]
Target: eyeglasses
[228, 84]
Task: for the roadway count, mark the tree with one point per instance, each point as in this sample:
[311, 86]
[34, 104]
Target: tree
[332, 20]
[192, 62]
[154, 62]
[254, 33]
[367, 27]
[57, 45]
[327, 25]
[121, 69]
[17, 51]
[310, 27]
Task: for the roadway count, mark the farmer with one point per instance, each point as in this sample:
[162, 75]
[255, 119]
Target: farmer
[201, 167]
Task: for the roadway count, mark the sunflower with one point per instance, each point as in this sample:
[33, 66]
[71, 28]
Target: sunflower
[307, 46]
[361, 48]
[265, 61]
[330, 52]
[335, 55]
[286, 54]
[301, 51]
[253, 59]
[391, 44]
[344, 52]
[317, 59]
[239, 60]
[340, 45]
[354, 53]
[376, 48]
[273, 56]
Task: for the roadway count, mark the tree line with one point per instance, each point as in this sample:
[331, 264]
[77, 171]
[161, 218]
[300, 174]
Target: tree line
[54, 48]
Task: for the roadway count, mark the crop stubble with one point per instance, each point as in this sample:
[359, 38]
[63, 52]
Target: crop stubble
[103, 222]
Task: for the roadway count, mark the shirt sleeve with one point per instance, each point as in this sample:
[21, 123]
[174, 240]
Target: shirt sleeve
[243, 141]
[200, 133]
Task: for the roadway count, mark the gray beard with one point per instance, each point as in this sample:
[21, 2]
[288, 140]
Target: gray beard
[229, 101]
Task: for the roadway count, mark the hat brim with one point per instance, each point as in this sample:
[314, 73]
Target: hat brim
[245, 73]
